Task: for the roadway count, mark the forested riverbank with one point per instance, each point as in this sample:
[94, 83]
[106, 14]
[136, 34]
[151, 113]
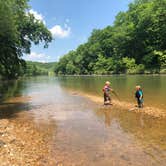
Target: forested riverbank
[19, 29]
[36, 69]
[134, 44]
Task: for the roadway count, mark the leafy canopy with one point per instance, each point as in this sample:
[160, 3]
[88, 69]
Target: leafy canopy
[18, 30]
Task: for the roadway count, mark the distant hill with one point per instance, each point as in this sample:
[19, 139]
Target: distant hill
[47, 66]
[38, 68]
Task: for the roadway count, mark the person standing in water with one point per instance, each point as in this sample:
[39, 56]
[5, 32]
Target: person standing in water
[106, 90]
[139, 96]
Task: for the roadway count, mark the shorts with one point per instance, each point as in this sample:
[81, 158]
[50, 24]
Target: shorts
[107, 97]
[140, 102]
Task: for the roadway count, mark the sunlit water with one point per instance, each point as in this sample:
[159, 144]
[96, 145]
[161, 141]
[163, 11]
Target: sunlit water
[81, 132]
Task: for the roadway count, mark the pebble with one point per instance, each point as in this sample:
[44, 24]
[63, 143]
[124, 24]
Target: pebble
[2, 144]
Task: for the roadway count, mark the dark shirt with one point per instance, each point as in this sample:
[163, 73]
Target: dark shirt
[139, 93]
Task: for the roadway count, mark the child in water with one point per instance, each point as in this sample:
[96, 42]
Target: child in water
[106, 90]
[139, 96]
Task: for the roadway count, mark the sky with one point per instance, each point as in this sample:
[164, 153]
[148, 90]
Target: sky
[71, 23]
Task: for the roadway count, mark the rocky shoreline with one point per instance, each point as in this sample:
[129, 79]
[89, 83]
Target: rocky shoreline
[22, 144]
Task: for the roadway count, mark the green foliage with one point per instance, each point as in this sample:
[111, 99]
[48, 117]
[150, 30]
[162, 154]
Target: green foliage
[18, 30]
[37, 68]
[136, 43]
[161, 55]
[131, 67]
[101, 65]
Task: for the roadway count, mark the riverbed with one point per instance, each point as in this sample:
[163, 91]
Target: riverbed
[50, 121]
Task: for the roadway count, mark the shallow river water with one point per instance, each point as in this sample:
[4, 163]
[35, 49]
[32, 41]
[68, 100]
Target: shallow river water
[85, 133]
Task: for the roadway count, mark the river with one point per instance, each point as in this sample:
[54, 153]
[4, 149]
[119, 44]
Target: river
[80, 131]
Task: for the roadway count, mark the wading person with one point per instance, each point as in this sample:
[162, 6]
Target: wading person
[139, 96]
[106, 90]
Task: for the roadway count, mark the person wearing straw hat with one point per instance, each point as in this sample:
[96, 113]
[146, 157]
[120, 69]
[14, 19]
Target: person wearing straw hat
[106, 90]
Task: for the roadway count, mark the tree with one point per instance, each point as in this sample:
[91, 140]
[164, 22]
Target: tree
[135, 43]
[101, 65]
[18, 29]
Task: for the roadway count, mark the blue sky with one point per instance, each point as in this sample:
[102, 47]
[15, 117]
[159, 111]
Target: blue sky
[71, 23]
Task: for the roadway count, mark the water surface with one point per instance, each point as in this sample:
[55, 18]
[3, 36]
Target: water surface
[81, 132]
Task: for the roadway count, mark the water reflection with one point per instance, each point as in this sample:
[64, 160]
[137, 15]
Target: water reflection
[10, 110]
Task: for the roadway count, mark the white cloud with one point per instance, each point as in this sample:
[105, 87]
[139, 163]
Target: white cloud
[37, 15]
[59, 32]
[38, 57]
